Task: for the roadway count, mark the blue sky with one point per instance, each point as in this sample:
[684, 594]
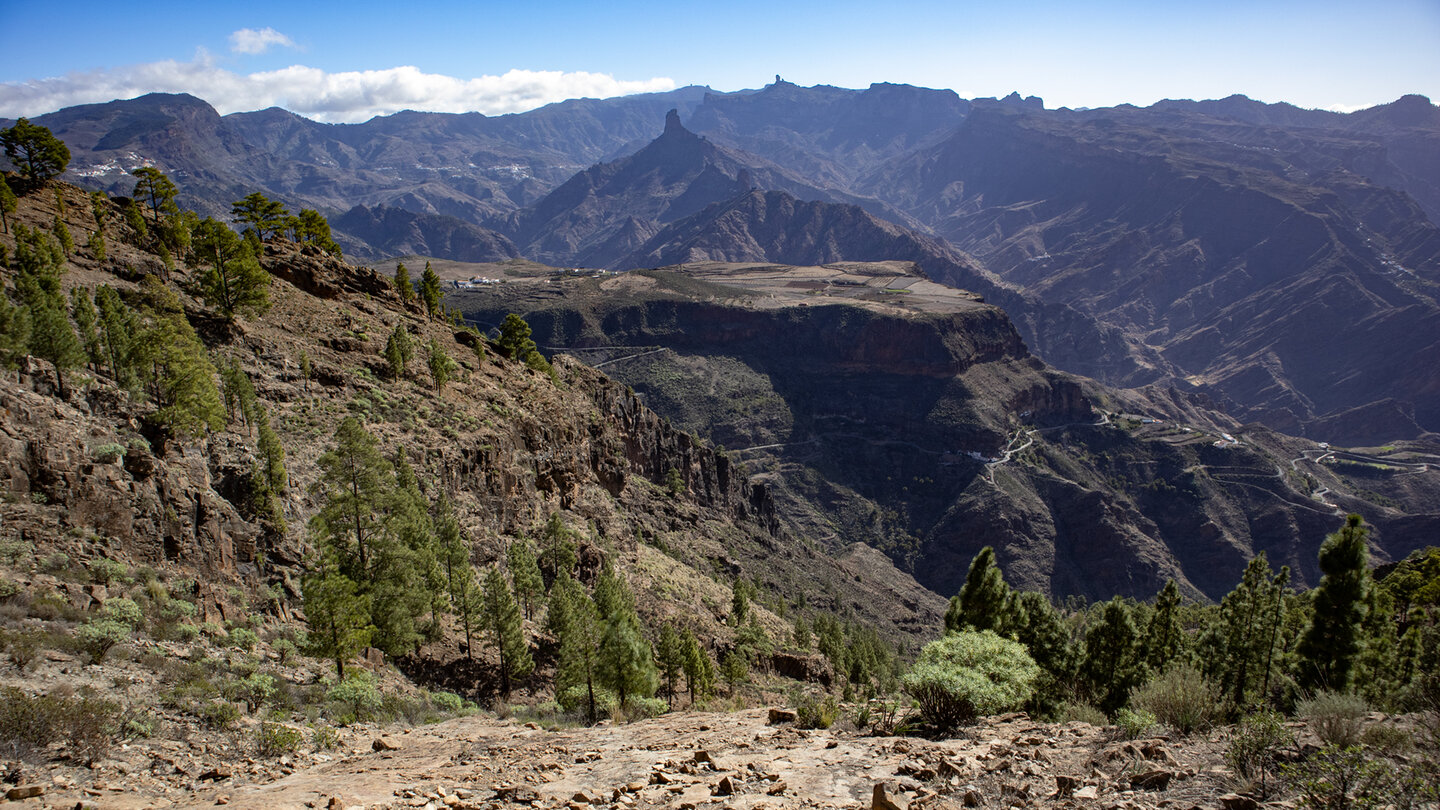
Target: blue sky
[348, 61]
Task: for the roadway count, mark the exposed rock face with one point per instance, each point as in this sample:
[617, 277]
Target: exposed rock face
[777, 227]
[600, 216]
[395, 232]
[929, 431]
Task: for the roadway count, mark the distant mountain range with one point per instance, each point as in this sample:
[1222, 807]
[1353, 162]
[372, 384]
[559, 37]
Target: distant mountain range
[1285, 262]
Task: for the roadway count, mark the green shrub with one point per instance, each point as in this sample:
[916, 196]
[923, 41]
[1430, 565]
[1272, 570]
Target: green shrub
[1180, 698]
[574, 700]
[12, 551]
[968, 674]
[23, 647]
[221, 714]
[640, 707]
[284, 650]
[277, 739]
[452, 704]
[175, 610]
[140, 725]
[243, 639]
[98, 637]
[1336, 719]
[1255, 746]
[255, 690]
[56, 563]
[324, 738]
[1134, 724]
[50, 605]
[1082, 713]
[812, 712]
[1391, 740]
[124, 611]
[104, 572]
[1342, 778]
[184, 632]
[29, 725]
[358, 693]
[108, 453]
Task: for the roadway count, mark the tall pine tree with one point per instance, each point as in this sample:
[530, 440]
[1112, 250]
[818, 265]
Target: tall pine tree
[501, 616]
[1331, 643]
[980, 605]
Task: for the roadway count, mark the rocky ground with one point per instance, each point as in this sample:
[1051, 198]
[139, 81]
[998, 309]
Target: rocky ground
[755, 758]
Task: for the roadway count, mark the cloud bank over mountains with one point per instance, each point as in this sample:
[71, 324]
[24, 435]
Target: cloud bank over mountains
[339, 97]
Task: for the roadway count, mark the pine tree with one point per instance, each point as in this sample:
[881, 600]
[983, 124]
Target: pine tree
[154, 189]
[442, 367]
[262, 216]
[8, 203]
[430, 291]
[398, 350]
[468, 602]
[1038, 625]
[39, 266]
[1246, 634]
[402, 284]
[178, 368]
[627, 667]
[306, 371]
[734, 670]
[670, 652]
[338, 614]
[802, 637]
[62, 235]
[1331, 643]
[1377, 674]
[238, 392]
[699, 671]
[99, 204]
[612, 595]
[34, 150]
[981, 602]
[411, 553]
[576, 624]
[96, 245]
[270, 475]
[515, 342]
[118, 325]
[739, 602]
[1163, 635]
[525, 573]
[502, 620]
[559, 550]
[354, 475]
[1111, 666]
[233, 281]
[14, 331]
[454, 554]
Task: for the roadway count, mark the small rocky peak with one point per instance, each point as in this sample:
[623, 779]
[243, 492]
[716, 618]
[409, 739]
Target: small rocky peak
[1028, 102]
[672, 122]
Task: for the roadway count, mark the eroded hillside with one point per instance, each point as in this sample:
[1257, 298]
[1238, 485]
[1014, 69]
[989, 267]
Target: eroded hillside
[89, 474]
[910, 416]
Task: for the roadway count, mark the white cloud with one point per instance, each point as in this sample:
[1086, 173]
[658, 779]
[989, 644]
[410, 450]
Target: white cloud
[346, 97]
[1348, 108]
[248, 40]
